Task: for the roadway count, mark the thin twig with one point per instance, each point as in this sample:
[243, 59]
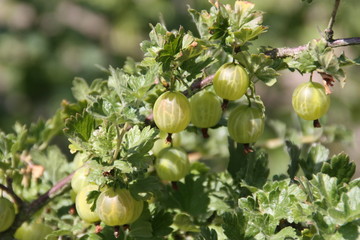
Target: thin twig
[198, 85]
[290, 52]
[9, 190]
[329, 31]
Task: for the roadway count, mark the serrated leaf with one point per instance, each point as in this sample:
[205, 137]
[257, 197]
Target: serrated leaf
[250, 168]
[100, 108]
[294, 153]
[190, 197]
[304, 62]
[54, 162]
[219, 27]
[91, 199]
[259, 65]
[208, 234]
[340, 167]
[350, 231]
[59, 233]
[139, 141]
[171, 48]
[234, 225]
[285, 233]
[348, 209]
[80, 126]
[80, 89]
[142, 228]
[161, 222]
[248, 34]
[144, 188]
[316, 156]
[325, 190]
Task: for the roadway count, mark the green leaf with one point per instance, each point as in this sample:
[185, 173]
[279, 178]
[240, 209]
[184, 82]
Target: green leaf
[248, 34]
[80, 126]
[59, 233]
[250, 168]
[315, 158]
[259, 65]
[172, 46]
[144, 188]
[91, 199]
[234, 225]
[325, 190]
[218, 30]
[142, 228]
[161, 222]
[80, 89]
[340, 167]
[304, 62]
[190, 197]
[294, 153]
[348, 209]
[139, 141]
[208, 234]
[54, 161]
[350, 231]
[285, 233]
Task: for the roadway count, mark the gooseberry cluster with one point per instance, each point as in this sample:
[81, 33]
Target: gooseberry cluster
[173, 111]
[114, 206]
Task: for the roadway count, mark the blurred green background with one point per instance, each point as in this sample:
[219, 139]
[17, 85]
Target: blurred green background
[45, 44]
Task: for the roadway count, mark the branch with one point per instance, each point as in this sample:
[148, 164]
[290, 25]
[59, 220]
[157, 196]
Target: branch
[329, 31]
[9, 190]
[28, 210]
[198, 85]
[290, 52]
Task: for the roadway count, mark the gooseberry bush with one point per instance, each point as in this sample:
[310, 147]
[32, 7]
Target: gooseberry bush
[147, 140]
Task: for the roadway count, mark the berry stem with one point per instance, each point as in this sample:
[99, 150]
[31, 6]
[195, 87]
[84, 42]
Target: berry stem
[316, 123]
[98, 227]
[247, 148]
[169, 138]
[174, 185]
[224, 104]
[205, 133]
[116, 231]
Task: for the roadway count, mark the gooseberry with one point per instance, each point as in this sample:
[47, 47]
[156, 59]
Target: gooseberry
[172, 112]
[172, 164]
[117, 207]
[231, 81]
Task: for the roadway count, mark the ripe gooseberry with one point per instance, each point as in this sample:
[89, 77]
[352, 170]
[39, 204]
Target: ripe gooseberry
[172, 112]
[231, 81]
[172, 164]
[310, 101]
[80, 178]
[83, 207]
[7, 214]
[32, 231]
[117, 207]
[246, 123]
[205, 109]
